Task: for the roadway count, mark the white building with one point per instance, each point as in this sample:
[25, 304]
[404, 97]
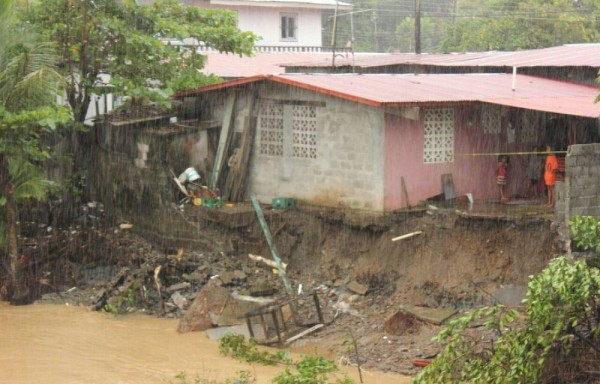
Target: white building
[283, 25]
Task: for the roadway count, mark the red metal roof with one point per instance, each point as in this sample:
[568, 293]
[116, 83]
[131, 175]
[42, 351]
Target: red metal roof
[576, 55]
[413, 90]
[263, 63]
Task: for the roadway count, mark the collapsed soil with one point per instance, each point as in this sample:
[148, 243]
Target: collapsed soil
[456, 262]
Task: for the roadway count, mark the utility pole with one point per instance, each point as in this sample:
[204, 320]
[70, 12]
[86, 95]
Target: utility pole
[333, 34]
[454, 12]
[374, 20]
[417, 26]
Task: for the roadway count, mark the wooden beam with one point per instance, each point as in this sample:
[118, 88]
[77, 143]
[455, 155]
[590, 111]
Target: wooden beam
[404, 191]
[304, 333]
[407, 236]
[236, 179]
[239, 188]
[224, 141]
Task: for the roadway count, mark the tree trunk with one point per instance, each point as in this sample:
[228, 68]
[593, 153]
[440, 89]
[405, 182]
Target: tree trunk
[19, 291]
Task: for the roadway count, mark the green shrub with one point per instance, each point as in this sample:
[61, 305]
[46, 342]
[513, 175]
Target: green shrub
[563, 303]
[309, 370]
[239, 349]
[585, 232]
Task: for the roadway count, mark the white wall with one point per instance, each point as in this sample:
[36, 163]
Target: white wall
[265, 22]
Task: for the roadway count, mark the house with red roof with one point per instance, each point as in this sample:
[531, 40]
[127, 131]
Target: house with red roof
[571, 62]
[385, 141]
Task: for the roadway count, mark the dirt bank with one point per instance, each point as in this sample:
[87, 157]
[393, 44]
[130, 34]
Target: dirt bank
[458, 261]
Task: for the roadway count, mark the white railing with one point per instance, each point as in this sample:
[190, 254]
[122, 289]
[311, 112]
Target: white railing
[285, 49]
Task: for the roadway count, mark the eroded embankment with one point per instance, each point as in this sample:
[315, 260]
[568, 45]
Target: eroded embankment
[456, 261]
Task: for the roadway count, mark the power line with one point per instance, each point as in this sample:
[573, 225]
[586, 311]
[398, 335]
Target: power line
[387, 14]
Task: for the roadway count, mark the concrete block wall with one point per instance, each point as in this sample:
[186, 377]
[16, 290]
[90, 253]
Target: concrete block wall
[582, 182]
[348, 170]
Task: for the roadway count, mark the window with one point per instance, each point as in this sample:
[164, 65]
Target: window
[491, 120]
[304, 130]
[528, 127]
[439, 136]
[288, 27]
[288, 130]
[270, 121]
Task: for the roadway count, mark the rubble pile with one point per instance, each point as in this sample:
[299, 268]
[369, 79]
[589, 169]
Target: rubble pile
[385, 294]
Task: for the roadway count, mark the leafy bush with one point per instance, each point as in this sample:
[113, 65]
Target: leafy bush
[309, 370]
[239, 349]
[563, 305]
[244, 377]
[585, 233]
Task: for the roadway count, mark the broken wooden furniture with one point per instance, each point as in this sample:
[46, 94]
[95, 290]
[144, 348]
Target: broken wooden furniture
[287, 319]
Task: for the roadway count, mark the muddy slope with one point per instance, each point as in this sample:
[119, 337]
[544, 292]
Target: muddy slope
[456, 261]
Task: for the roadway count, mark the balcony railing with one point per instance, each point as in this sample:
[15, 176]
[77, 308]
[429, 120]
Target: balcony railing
[287, 49]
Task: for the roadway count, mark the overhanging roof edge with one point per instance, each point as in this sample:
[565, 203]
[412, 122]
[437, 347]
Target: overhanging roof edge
[545, 108]
[222, 85]
[325, 91]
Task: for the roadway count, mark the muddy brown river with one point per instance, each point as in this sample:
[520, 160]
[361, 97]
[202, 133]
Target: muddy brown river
[61, 344]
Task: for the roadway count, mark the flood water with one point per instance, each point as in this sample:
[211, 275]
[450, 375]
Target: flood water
[61, 344]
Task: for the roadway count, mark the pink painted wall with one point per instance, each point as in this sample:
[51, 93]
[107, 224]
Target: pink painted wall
[404, 142]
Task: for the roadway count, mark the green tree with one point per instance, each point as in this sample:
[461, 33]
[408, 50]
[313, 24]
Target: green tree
[26, 181]
[483, 25]
[431, 34]
[563, 308]
[28, 89]
[139, 46]
[374, 23]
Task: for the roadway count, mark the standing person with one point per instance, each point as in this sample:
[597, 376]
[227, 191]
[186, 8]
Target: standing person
[501, 174]
[534, 173]
[550, 176]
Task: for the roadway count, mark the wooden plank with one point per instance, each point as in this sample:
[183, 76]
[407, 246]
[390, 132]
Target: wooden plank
[224, 141]
[304, 333]
[404, 191]
[233, 164]
[407, 236]
[239, 188]
[236, 179]
[448, 186]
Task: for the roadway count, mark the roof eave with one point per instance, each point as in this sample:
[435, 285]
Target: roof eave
[274, 4]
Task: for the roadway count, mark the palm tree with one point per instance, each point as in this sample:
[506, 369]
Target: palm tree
[26, 182]
[28, 84]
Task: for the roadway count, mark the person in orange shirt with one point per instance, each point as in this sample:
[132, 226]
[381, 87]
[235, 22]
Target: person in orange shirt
[550, 176]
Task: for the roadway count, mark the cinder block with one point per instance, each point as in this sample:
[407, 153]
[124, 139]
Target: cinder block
[575, 150]
[595, 171]
[576, 202]
[577, 211]
[589, 160]
[574, 170]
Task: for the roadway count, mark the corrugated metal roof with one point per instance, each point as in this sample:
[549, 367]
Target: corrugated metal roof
[266, 63]
[573, 55]
[262, 63]
[443, 89]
